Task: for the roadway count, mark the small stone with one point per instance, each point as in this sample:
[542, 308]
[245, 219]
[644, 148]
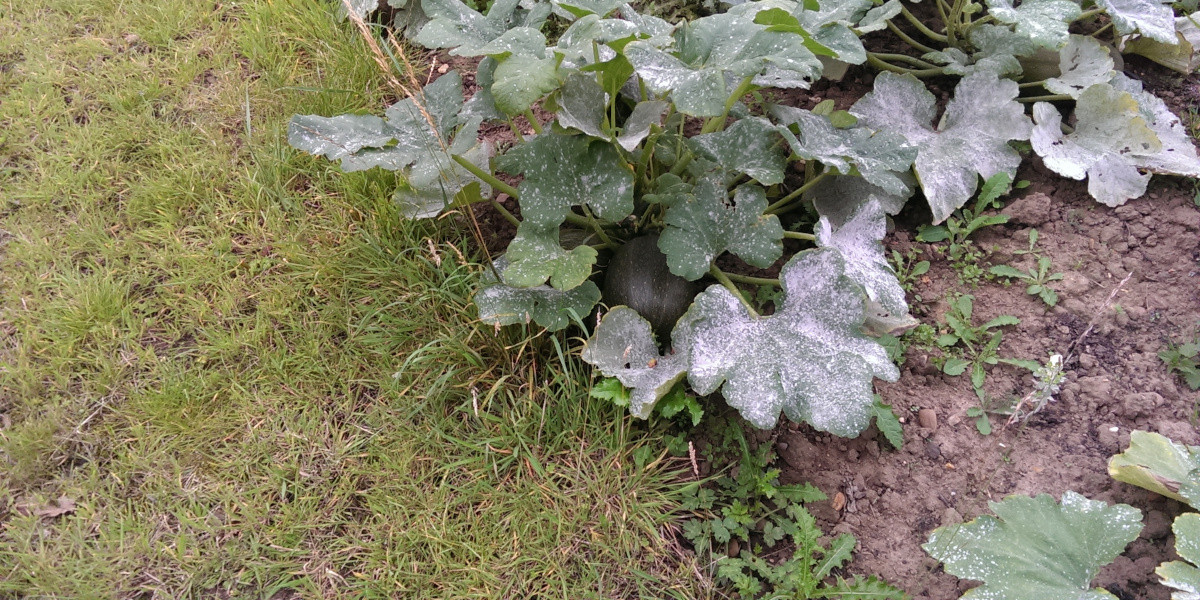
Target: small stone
[442, 69]
[782, 446]
[927, 418]
[932, 451]
[852, 455]
[1157, 525]
[950, 517]
[873, 449]
[1142, 403]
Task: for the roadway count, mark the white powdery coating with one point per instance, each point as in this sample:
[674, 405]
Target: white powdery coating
[808, 359]
[623, 347]
[1153, 18]
[1083, 63]
[860, 240]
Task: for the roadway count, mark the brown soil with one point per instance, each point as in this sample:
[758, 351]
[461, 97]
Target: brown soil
[1115, 380]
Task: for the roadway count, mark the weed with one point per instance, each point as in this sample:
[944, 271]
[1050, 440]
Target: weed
[971, 347]
[965, 257]
[1038, 278]
[1182, 359]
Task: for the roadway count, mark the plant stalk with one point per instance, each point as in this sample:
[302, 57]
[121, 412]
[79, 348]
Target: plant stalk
[718, 123]
[752, 280]
[875, 62]
[781, 204]
[926, 31]
[724, 280]
[907, 39]
[486, 177]
[796, 235]
[533, 122]
[1049, 98]
[904, 58]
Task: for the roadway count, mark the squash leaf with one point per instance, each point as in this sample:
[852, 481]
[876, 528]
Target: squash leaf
[1035, 548]
[1084, 62]
[706, 51]
[1110, 135]
[751, 146]
[837, 198]
[1151, 18]
[1180, 575]
[535, 256]
[860, 240]
[706, 223]
[565, 170]
[623, 346]
[880, 157]
[971, 139]
[1160, 465]
[809, 359]
[500, 304]
[521, 80]
[1044, 22]
[1177, 155]
[455, 25]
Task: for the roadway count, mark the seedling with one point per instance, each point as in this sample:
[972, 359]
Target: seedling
[971, 347]
[1182, 359]
[964, 256]
[1038, 278]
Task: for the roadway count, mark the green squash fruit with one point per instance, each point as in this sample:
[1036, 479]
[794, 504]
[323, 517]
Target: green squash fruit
[638, 277]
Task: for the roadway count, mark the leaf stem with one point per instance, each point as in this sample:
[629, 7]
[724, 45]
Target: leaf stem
[746, 279]
[724, 280]
[782, 204]
[875, 62]
[926, 31]
[596, 225]
[533, 122]
[1049, 98]
[1106, 27]
[508, 216]
[516, 131]
[486, 177]
[718, 123]
[904, 58]
[1087, 14]
[907, 39]
[796, 235]
[1031, 84]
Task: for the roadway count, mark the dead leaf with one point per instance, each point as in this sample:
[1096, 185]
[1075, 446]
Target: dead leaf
[63, 506]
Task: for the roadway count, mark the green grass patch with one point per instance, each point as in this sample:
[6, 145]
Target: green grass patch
[243, 370]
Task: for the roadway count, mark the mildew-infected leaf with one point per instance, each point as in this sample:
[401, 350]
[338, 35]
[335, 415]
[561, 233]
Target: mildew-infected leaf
[838, 197]
[1177, 154]
[971, 139]
[860, 241]
[1151, 18]
[707, 223]
[623, 346]
[455, 25]
[566, 170]
[637, 124]
[1044, 22]
[1035, 548]
[500, 304]
[751, 146]
[879, 156]
[1084, 62]
[535, 256]
[520, 81]
[1180, 575]
[809, 359]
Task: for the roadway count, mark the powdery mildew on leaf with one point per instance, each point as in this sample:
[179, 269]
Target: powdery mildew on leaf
[1109, 129]
[1044, 22]
[624, 347]
[1177, 155]
[970, 141]
[837, 198]
[693, 69]
[879, 156]
[1179, 575]
[860, 241]
[1037, 549]
[535, 256]
[1084, 62]
[455, 25]
[566, 170]
[750, 146]
[1151, 18]
[581, 103]
[809, 359]
[637, 124]
[553, 309]
[706, 223]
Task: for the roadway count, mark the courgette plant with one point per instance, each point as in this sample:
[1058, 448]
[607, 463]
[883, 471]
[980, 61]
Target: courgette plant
[629, 126]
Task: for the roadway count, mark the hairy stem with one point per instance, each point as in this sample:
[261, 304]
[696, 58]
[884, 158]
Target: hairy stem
[724, 280]
[595, 225]
[908, 39]
[796, 235]
[1049, 98]
[508, 216]
[752, 280]
[486, 177]
[718, 123]
[903, 58]
[781, 205]
[533, 122]
[886, 66]
[915, 22]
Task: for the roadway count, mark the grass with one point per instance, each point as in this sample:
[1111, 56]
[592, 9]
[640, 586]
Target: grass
[250, 377]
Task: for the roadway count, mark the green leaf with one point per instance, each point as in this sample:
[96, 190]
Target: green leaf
[582, 104]
[879, 157]
[809, 359]
[340, 137]
[751, 146]
[971, 138]
[1110, 132]
[520, 81]
[677, 401]
[706, 224]
[580, 8]
[860, 241]
[500, 304]
[955, 366]
[1044, 22]
[455, 25]
[1158, 464]
[1001, 321]
[1037, 549]
[1180, 575]
[610, 389]
[888, 424]
[708, 50]
[535, 256]
[1007, 271]
[1151, 18]
[623, 346]
[1083, 62]
[862, 588]
[565, 170]
[637, 125]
